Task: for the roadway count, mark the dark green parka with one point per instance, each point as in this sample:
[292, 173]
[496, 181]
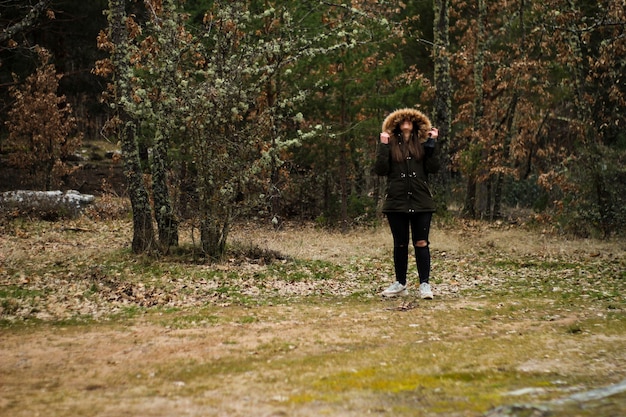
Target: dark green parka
[407, 181]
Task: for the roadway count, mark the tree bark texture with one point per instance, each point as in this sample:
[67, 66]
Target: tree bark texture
[508, 132]
[214, 213]
[215, 218]
[593, 151]
[144, 239]
[167, 223]
[479, 64]
[143, 230]
[442, 111]
[213, 234]
[26, 22]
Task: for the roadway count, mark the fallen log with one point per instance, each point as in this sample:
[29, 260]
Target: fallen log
[50, 203]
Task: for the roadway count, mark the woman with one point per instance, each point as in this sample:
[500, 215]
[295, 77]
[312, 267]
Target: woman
[405, 156]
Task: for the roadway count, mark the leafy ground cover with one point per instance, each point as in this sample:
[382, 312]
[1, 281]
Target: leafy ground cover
[523, 323]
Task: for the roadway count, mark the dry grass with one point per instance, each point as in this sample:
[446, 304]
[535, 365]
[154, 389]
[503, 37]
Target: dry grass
[462, 237]
[310, 242]
[519, 317]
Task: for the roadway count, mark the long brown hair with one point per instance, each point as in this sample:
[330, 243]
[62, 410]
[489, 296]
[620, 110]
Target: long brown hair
[401, 149]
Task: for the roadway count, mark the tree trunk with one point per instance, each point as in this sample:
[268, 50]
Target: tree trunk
[510, 117]
[215, 219]
[166, 219]
[274, 195]
[442, 111]
[469, 208]
[497, 197]
[344, 157]
[274, 192]
[143, 230]
[49, 166]
[605, 205]
[479, 106]
[343, 181]
[213, 234]
[488, 197]
[592, 154]
[214, 214]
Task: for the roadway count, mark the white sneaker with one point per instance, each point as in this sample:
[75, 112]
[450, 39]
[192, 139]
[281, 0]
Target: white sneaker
[395, 290]
[425, 291]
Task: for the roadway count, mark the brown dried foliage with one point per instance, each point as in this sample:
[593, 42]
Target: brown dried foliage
[41, 125]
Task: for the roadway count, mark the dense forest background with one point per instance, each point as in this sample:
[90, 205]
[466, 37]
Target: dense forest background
[271, 108]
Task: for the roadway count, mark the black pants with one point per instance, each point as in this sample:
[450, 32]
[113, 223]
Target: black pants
[417, 225]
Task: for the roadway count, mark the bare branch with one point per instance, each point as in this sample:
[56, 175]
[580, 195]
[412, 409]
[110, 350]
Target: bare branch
[28, 21]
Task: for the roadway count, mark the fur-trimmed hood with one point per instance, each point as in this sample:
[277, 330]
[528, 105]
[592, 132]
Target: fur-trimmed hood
[419, 119]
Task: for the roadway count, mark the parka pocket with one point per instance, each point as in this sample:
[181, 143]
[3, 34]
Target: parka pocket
[427, 188]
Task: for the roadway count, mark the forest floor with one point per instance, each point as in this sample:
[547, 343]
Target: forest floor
[523, 323]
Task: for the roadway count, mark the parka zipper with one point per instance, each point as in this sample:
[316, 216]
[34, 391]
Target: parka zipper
[407, 176]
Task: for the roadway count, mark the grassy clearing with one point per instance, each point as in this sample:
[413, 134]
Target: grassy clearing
[519, 317]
